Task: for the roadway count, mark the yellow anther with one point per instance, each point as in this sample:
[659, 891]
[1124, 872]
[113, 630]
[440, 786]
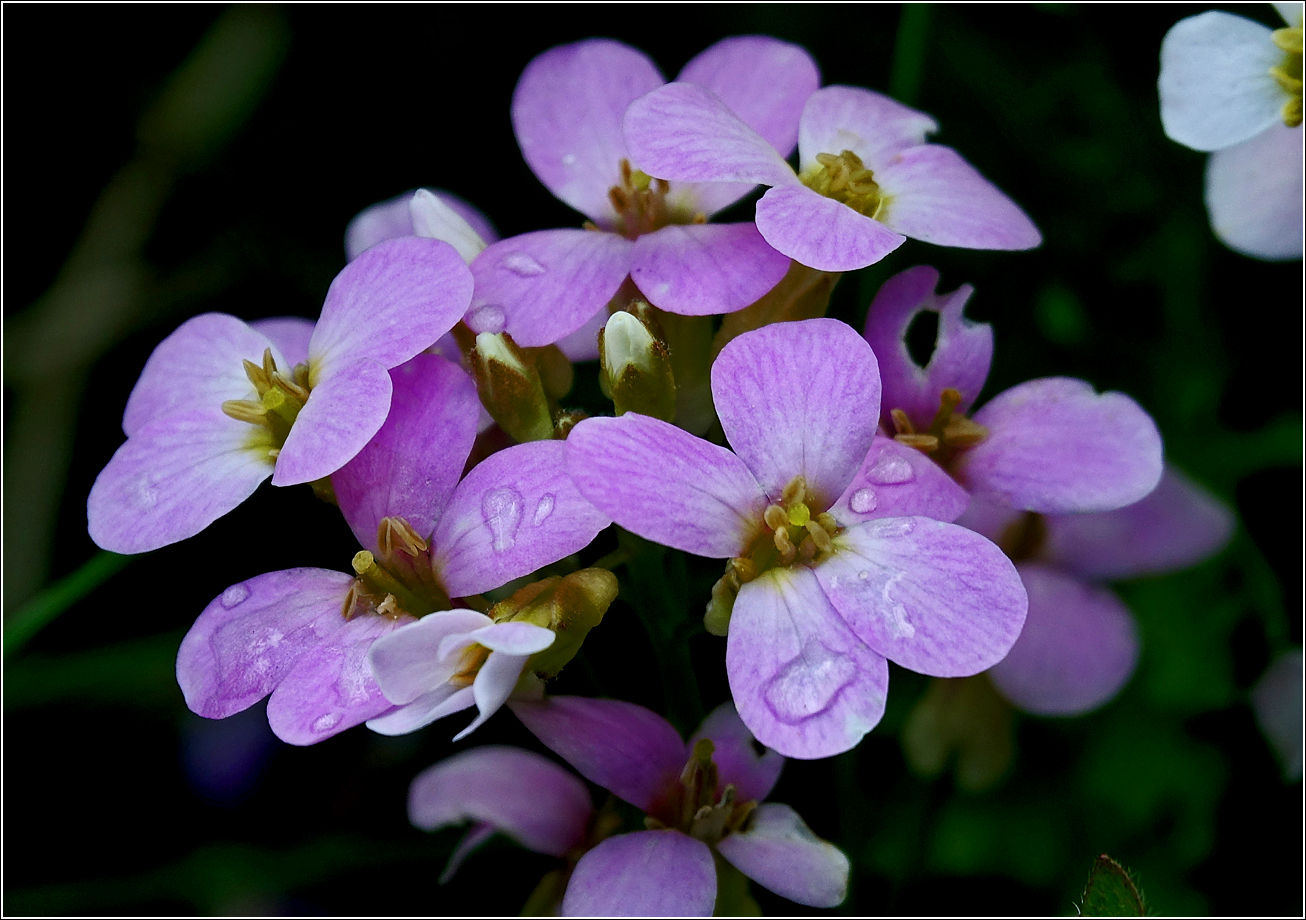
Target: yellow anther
[257, 376]
[796, 491]
[820, 537]
[846, 179]
[1289, 40]
[396, 533]
[799, 514]
[784, 546]
[245, 410]
[775, 517]
[362, 561]
[470, 665]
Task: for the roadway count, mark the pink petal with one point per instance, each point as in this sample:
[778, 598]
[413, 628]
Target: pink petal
[385, 220]
[932, 597]
[705, 269]
[820, 232]
[343, 411]
[448, 218]
[583, 344]
[644, 874]
[799, 399]
[753, 774]
[290, 335]
[1254, 194]
[407, 663]
[1078, 648]
[493, 685]
[803, 683]
[780, 853]
[871, 125]
[665, 484]
[899, 481]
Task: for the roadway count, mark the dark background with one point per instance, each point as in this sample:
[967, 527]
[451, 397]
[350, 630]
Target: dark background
[118, 800]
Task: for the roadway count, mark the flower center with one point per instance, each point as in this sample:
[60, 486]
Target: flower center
[279, 398]
[469, 665]
[844, 178]
[641, 204]
[1289, 73]
[949, 433]
[698, 806]
[402, 581]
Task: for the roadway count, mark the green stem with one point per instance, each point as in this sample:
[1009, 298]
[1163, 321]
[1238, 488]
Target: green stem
[33, 616]
[909, 53]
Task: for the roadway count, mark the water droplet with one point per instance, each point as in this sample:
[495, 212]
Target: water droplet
[543, 509]
[326, 723]
[863, 501]
[486, 318]
[898, 625]
[863, 575]
[890, 471]
[888, 527]
[569, 159]
[147, 492]
[522, 265]
[501, 509]
[236, 594]
[808, 684]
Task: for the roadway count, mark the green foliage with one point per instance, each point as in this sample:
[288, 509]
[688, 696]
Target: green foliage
[1110, 892]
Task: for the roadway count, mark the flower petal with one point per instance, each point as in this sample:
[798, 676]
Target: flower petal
[493, 685]
[549, 283]
[631, 751]
[1277, 703]
[1254, 194]
[513, 638]
[289, 334]
[249, 637]
[803, 683]
[583, 344]
[445, 217]
[1056, 447]
[526, 796]
[1079, 646]
[515, 511]
[962, 352]
[752, 773]
[665, 484]
[1216, 89]
[566, 113]
[932, 194]
[343, 412]
[799, 399]
[410, 467]
[899, 481]
[932, 597]
[820, 232]
[174, 477]
[444, 700]
[385, 220]
[705, 269]
[780, 853]
[871, 125]
[407, 663]
[644, 874]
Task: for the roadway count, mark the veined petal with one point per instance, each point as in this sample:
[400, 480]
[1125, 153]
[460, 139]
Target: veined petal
[174, 477]
[1079, 646]
[799, 399]
[493, 685]
[820, 232]
[385, 220]
[549, 283]
[666, 485]
[1056, 447]
[393, 301]
[705, 269]
[250, 636]
[343, 411]
[583, 344]
[631, 751]
[644, 874]
[566, 113]
[933, 597]
[410, 467]
[513, 638]
[932, 194]
[290, 335]
[331, 688]
[1254, 194]
[444, 700]
[962, 352]
[871, 125]
[522, 794]
[803, 683]
[440, 217]
[1216, 89]
[685, 133]
[407, 663]
[738, 762]
[899, 481]
[395, 218]
[780, 853]
[516, 511]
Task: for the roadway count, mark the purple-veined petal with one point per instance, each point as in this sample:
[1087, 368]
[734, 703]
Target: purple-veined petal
[410, 467]
[932, 194]
[1177, 525]
[385, 220]
[1215, 85]
[407, 662]
[705, 269]
[290, 335]
[899, 481]
[802, 682]
[515, 511]
[583, 344]
[547, 284]
[644, 874]
[174, 477]
[394, 218]
[331, 687]
[666, 485]
[871, 125]
[799, 399]
[439, 217]
[197, 367]
[435, 704]
[685, 133]
[493, 685]
[780, 853]
[1079, 646]
[631, 751]
[820, 232]
[393, 301]
[343, 412]
[932, 597]
[1056, 447]
[522, 794]
[738, 762]
[1277, 703]
[251, 635]
[1254, 194]
[566, 113]
[962, 352]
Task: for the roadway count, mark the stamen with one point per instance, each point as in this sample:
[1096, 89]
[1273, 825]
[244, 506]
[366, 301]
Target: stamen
[395, 530]
[923, 442]
[828, 523]
[256, 375]
[470, 665]
[901, 424]
[784, 546]
[389, 607]
[820, 537]
[775, 517]
[269, 366]
[796, 491]
[245, 410]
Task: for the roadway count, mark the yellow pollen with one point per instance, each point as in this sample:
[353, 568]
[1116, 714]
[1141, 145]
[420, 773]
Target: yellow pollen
[799, 514]
[1289, 73]
[846, 179]
[470, 665]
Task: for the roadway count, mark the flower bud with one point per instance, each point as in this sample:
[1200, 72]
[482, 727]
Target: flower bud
[510, 387]
[637, 368]
[569, 606]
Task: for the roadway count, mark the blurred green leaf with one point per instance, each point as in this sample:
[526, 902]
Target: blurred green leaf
[30, 618]
[1110, 892]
